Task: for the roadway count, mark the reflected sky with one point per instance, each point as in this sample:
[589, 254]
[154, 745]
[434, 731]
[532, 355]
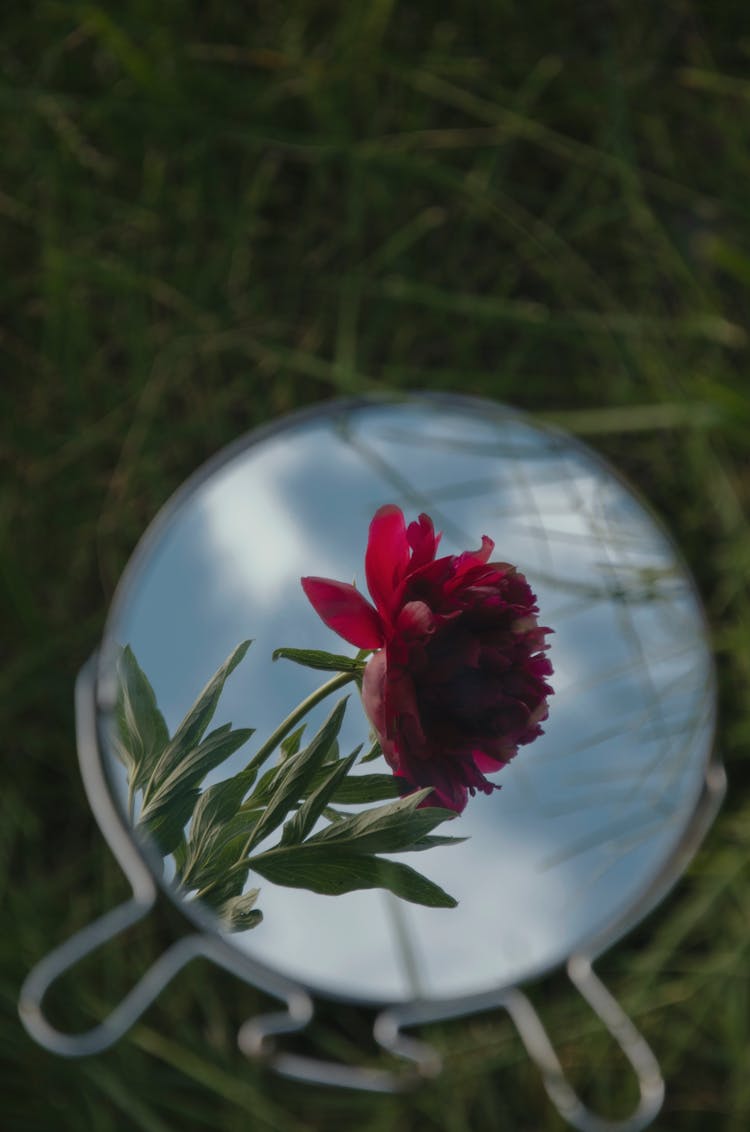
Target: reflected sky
[586, 814]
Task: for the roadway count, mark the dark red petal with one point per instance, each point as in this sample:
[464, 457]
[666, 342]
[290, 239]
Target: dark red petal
[507, 569]
[346, 611]
[387, 558]
[402, 722]
[449, 796]
[447, 793]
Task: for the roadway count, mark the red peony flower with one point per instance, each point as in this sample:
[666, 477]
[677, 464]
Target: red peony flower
[458, 681]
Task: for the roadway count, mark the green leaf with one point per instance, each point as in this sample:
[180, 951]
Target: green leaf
[393, 828]
[180, 856]
[268, 781]
[298, 827]
[170, 807]
[291, 744]
[333, 870]
[188, 735]
[374, 752]
[364, 788]
[432, 841]
[263, 788]
[140, 733]
[333, 815]
[316, 658]
[218, 848]
[219, 803]
[165, 820]
[226, 888]
[215, 749]
[239, 913]
[295, 775]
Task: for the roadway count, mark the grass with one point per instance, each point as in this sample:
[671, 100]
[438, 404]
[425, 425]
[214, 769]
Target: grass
[215, 213]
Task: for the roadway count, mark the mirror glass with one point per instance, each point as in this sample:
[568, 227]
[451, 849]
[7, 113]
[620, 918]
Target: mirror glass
[587, 813]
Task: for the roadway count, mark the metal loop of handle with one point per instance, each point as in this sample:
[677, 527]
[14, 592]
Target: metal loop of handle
[257, 1039]
[390, 1024]
[95, 935]
[622, 1030]
[126, 1013]
[147, 989]
[335, 1074]
[195, 945]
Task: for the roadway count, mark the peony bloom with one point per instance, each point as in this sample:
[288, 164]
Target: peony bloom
[458, 680]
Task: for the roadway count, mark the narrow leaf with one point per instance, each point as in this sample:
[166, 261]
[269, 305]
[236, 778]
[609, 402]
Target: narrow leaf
[432, 841]
[316, 658]
[231, 884]
[333, 815]
[298, 827]
[140, 733]
[329, 870]
[239, 913]
[292, 743]
[218, 849]
[165, 821]
[219, 803]
[180, 856]
[169, 808]
[295, 775]
[215, 749]
[189, 733]
[393, 828]
[374, 752]
[263, 789]
[363, 788]
[268, 781]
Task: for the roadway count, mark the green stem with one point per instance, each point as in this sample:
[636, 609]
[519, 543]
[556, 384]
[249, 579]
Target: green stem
[299, 713]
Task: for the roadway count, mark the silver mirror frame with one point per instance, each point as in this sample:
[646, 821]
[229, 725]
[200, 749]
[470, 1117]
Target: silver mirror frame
[259, 1036]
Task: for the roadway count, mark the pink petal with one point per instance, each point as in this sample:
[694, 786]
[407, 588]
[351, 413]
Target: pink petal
[471, 559]
[387, 557]
[483, 555]
[373, 701]
[343, 608]
[415, 621]
[488, 765]
[423, 542]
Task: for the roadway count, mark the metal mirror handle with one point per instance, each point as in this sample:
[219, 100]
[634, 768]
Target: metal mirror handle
[390, 1024]
[299, 1007]
[257, 1036]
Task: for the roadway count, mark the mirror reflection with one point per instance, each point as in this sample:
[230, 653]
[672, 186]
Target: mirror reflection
[586, 813]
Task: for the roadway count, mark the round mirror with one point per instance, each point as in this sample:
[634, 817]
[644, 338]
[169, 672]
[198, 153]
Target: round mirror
[568, 849]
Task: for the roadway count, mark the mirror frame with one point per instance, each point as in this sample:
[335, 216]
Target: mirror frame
[258, 1037]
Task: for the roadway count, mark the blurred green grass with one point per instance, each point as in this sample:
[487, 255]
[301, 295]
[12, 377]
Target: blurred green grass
[213, 213]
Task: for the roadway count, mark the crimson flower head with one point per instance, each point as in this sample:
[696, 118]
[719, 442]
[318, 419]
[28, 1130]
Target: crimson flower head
[458, 679]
